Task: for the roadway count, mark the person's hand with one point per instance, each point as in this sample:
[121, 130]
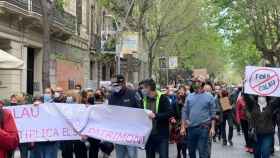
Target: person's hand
[183, 132]
[84, 137]
[151, 115]
[173, 120]
[217, 117]
[212, 132]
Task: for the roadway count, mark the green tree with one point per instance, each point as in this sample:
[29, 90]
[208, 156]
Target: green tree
[256, 20]
[155, 20]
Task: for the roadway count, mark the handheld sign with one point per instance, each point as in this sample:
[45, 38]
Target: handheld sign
[263, 81]
[225, 104]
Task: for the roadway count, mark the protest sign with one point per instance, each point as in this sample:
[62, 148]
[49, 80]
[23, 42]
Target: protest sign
[58, 121]
[225, 104]
[263, 81]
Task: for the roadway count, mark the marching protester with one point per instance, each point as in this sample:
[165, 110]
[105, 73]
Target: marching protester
[90, 98]
[198, 115]
[66, 146]
[95, 145]
[226, 118]
[261, 111]
[171, 95]
[122, 96]
[24, 148]
[160, 113]
[276, 118]
[219, 111]
[241, 118]
[181, 141]
[45, 149]
[80, 148]
[9, 138]
[233, 98]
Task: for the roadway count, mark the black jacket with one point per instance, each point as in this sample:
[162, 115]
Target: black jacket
[165, 112]
[262, 121]
[125, 98]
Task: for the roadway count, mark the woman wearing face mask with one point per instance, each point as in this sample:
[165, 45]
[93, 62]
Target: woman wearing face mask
[261, 111]
[45, 149]
[98, 98]
[48, 95]
[76, 147]
[175, 132]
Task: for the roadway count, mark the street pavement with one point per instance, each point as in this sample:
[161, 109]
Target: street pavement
[218, 151]
[236, 151]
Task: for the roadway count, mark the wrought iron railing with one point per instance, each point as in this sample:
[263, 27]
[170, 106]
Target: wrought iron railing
[19, 3]
[62, 18]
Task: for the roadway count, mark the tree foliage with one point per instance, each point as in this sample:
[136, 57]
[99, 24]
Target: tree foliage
[155, 20]
[257, 20]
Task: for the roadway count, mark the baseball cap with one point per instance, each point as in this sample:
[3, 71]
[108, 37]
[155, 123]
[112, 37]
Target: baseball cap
[118, 79]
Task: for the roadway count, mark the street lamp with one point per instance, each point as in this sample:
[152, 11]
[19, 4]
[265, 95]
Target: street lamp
[118, 46]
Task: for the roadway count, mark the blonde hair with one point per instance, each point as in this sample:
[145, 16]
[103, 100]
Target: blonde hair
[20, 99]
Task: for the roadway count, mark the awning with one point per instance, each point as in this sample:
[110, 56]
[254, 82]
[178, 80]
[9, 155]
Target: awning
[8, 61]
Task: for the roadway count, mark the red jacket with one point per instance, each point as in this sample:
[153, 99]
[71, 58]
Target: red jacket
[240, 109]
[9, 139]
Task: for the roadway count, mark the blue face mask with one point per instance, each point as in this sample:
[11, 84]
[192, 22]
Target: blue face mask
[47, 98]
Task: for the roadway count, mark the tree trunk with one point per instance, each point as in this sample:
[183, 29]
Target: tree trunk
[150, 62]
[46, 44]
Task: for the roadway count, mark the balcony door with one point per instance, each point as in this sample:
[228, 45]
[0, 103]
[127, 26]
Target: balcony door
[30, 71]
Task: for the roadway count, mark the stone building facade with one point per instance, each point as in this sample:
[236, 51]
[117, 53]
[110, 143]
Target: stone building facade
[78, 55]
[21, 35]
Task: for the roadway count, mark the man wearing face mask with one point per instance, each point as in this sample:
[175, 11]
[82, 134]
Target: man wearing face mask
[198, 115]
[122, 96]
[160, 111]
[59, 96]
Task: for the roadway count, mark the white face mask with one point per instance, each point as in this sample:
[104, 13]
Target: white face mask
[56, 94]
[69, 100]
[116, 89]
[262, 103]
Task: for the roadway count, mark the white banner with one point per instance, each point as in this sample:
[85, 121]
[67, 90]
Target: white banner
[55, 121]
[263, 81]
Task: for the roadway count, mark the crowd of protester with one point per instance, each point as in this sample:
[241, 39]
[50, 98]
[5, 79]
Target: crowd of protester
[190, 116]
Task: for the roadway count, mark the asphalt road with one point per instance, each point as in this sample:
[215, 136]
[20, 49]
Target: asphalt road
[218, 151]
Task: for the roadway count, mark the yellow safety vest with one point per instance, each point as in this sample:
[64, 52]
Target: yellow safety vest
[157, 101]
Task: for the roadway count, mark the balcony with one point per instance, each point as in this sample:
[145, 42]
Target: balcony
[108, 42]
[61, 20]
